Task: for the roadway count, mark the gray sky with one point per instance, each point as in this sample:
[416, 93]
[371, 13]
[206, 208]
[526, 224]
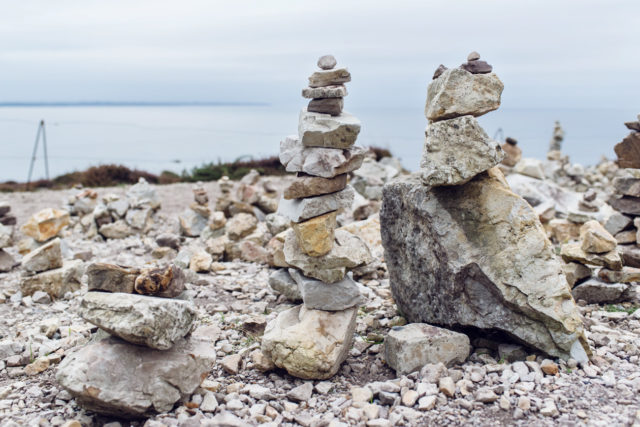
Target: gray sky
[549, 53]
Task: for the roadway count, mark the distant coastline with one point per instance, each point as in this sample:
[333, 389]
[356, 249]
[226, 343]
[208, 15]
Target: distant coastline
[133, 104]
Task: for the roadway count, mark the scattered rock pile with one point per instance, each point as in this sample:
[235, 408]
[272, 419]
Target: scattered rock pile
[461, 248]
[7, 221]
[194, 219]
[145, 343]
[312, 340]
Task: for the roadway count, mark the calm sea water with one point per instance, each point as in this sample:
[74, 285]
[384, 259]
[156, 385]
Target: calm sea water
[175, 138]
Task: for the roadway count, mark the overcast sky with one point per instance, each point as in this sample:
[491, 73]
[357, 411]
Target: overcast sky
[549, 53]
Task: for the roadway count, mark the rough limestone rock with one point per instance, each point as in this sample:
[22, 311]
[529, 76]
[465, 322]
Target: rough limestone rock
[46, 224]
[55, 282]
[318, 161]
[458, 93]
[6, 261]
[627, 186]
[628, 151]
[155, 322]
[348, 251]
[530, 167]
[626, 275]
[46, 257]
[6, 233]
[626, 204]
[309, 186]
[595, 291]
[456, 150]
[333, 77]
[322, 130]
[192, 223]
[116, 230]
[143, 195]
[298, 210]
[477, 255]
[309, 344]
[316, 235]
[116, 378]
[241, 225]
[139, 218]
[408, 348]
[337, 91]
[572, 252]
[327, 296]
[111, 278]
[282, 282]
[575, 273]
[595, 239]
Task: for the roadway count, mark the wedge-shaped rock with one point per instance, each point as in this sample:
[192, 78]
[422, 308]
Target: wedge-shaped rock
[456, 150]
[627, 186]
[408, 348]
[333, 77]
[6, 261]
[625, 204]
[459, 93]
[46, 257]
[309, 186]
[337, 91]
[46, 224]
[282, 282]
[55, 282]
[316, 235]
[327, 296]
[595, 239]
[116, 378]
[323, 130]
[628, 151]
[111, 277]
[573, 252]
[155, 322]
[300, 209]
[309, 344]
[595, 291]
[348, 251]
[477, 255]
[317, 161]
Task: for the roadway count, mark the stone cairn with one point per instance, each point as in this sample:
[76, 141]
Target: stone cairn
[142, 352]
[318, 253]
[555, 145]
[195, 219]
[462, 249]
[512, 153]
[7, 221]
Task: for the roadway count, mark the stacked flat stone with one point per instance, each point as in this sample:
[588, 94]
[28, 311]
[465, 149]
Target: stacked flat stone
[194, 220]
[143, 351]
[7, 221]
[318, 253]
[555, 145]
[627, 185]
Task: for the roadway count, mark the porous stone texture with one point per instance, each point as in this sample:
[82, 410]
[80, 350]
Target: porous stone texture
[321, 130]
[316, 235]
[458, 93]
[192, 223]
[477, 255]
[298, 210]
[111, 278]
[349, 251]
[115, 378]
[456, 150]
[595, 239]
[337, 91]
[575, 272]
[327, 296]
[309, 344]
[318, 161]
[55, 282]
[46, 257]
[573, 252]
[626, 275]
[155, 322]
[332, 106]
[408, 348]
[164, 282]
[309, 186]
[333, 77]
[46, 224]
[282, 282]
[595, 291]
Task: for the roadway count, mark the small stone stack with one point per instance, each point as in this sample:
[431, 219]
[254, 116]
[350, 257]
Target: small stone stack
[555, 145]
[7, 222]
[6, 218]
[627, 185]
[195, 219]
[141, 361]
[513, 153]
[322, 153]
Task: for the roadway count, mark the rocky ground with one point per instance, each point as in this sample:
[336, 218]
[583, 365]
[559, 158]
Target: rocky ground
[495, 386]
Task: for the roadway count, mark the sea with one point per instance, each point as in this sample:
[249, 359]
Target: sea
[179, 137]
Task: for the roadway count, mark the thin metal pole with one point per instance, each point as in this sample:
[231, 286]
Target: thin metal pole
[33, 156]
[44, 143]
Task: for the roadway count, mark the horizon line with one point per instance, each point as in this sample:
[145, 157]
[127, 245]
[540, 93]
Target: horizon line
[130, 103]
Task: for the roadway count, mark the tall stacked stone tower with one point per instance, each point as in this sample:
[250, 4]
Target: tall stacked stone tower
[311, 340]
[461, 248]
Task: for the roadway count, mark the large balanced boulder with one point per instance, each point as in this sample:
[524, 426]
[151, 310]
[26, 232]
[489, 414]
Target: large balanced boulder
[155, 322]
[456, 150]
[476, 255]
[309, 344]
[116, 378]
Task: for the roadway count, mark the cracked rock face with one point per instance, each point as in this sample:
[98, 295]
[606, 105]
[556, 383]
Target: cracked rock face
[115, 378]
[477, 255]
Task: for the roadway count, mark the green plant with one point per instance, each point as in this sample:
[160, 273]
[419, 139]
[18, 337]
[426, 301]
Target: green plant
[613, 308]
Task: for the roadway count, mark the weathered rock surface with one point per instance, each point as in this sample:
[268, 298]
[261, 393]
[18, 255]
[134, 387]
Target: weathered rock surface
[192, 223]
[626, 275]
[575, 272]
[408, 348]
[115, 378]
[143, 195]
[332, 106]
[318, 161]
[309, 344]
[164, 282]
[316, 235]
[628, 151]
[573, 252]
[595, 291]
[111, 278]
[327, 296]
[337, 91]
[595, 239]
[512, 154]
[309, 186]
[348, 251]
[298, 210]
[321, 130]
[456, 150]
[627, 186]
[626, 204]
[477, 255]
[333, 77]
[7, 262]
[55, 282]
[282, 282]
[116, 230]
[46, 257]
[458, 93]
[155, 322]
[530, 167]
[46, 224]
[241, 225]
[6, 234]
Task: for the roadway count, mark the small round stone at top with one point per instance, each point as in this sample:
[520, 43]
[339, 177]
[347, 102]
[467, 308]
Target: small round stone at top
[327, 62]
[473, 56]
